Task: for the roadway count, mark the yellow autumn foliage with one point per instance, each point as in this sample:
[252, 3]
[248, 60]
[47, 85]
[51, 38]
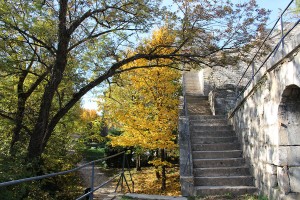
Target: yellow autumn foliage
[145, 106]
[88, 115]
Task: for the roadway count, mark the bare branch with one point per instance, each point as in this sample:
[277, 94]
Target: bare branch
[150, 66]
[86, 15]
[97, 35]
[36, 83]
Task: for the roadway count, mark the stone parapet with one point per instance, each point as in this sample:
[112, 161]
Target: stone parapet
[186, 164]
[266, 119]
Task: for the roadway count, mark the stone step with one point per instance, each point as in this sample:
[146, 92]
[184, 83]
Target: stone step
[221, 190]
[193, 92]
[213, 140]
[224, 180]
[198, 110]
[210, 128]
[196, 101]
[151, 197]
[218, 162]
[207, 117]
[211, 122]
[217, 154]
[222, 171]
[215, 147]
[217, 133]
[191, 113]
[196, 97]
[198, 106]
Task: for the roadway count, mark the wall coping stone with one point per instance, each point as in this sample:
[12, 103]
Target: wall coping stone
[289, 49]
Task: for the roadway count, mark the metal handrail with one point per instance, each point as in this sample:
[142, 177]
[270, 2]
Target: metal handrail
[92, 189]
[281, 41]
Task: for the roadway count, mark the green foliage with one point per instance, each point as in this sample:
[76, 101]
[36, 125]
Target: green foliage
[53, 52]
[228, 196]
[297, 8]
[261, 197]
[93, 153]
[57, 158]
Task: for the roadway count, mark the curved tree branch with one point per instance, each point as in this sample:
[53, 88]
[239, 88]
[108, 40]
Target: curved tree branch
[13, 120]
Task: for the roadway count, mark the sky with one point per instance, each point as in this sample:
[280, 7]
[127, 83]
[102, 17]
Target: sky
[88, 100]
[274, 6]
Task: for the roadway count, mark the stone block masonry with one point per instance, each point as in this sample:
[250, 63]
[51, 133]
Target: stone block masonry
[267, 122]
[211, 161]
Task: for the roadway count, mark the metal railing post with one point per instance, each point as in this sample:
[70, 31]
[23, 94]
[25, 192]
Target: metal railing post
[253, 71]
[273, 52]
[92, 181]
[281, 27]
[123, 172]
[128, 167]
[122, 177]
[89, 191]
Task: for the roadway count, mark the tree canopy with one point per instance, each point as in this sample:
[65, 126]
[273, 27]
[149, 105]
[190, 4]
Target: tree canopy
[145, 103]
[52, 52]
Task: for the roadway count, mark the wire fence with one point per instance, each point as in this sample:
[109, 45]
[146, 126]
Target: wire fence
[285, 30]
[89, 193]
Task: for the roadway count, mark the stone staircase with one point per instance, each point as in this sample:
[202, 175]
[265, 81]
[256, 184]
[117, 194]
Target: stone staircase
[218, 165]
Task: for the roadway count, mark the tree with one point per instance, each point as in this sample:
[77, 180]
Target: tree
[47, 44]
[144, 105]
[297, 6]
[91, 125]
[221, 33]
[76, 29]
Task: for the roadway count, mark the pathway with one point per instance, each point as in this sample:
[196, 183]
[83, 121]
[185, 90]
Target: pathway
[107, 192]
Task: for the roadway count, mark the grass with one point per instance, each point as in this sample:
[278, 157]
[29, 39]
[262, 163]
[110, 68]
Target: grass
[93, 153]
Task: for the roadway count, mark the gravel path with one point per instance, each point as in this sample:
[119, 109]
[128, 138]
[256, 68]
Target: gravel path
[107, 192]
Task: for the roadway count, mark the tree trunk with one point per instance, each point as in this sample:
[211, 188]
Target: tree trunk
[42, 132]
[157, 174]
[22, 98]
[163, 171]
[18, 126]
[20, 111]
[138, 162]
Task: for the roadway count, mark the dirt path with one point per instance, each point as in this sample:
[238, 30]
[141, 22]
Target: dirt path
[107, 192]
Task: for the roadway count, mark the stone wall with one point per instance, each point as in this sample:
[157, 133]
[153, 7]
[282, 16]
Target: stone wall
[221, 77]
[267, 122]
[223, 99]
[220, 84]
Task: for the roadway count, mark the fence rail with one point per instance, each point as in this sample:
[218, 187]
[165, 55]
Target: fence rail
[92, 188]
[273, 52]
